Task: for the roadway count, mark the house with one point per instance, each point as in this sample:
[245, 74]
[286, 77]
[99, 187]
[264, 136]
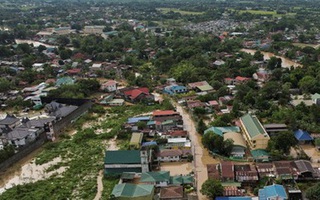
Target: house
[165, 125]
[10, 121]
[222, 130]
[172, 192]
[232, 191]
[254, 133]
[93, 30]
[227, 171]
[115, 102]
[138, 95]
[303, 137]
[66, 80]
[286, 170]
[109, 86]
[117, 162]
[195, 104]
[164, 115]
[239, 144]
[202, 86]
[305, 169]
[106, 35]
[45, 124]
[265, 169]
[225, 99]
[158, 178]
[73, 72]
[240, 79]
[272, 129]
[96, 66]
[20, 136]
[175, 134]
[175, 89]
[171, 81]
[136, 139]
[182, 180]
[273, 192]
[173, 155]
[129, 191]
[59, 110]
[260, 155]
[214, 104]
[316, 98]
[132, 123]
[236, 198]
[213, 171]
[246, 173]
[182, 143]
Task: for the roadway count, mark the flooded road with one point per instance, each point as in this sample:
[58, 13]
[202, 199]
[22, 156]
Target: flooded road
[286, 63]
[201, 155]
[176, 168]
[30, 172]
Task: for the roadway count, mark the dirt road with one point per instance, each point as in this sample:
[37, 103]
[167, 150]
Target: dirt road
[201, 155]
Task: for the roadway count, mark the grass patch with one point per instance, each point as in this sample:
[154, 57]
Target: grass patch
[182, 12]
[264, 12]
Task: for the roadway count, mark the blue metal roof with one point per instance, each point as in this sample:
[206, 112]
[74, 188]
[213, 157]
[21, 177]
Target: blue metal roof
[302, 135]
[233, 198]
[138, 119]
[272, 191]
[149, 143]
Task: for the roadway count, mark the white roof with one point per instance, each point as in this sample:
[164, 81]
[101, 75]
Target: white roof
[177, 140]
[96, 65]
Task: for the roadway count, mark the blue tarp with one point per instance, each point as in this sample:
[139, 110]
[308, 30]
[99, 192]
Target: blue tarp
[302, 135]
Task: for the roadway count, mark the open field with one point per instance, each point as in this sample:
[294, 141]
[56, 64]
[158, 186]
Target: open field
[302, 45]
[182, 12]
[264, 12]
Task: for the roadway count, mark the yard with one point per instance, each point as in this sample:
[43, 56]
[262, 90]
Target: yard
[177, 168]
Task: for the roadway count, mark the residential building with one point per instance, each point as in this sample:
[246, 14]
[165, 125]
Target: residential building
[109, 86]
[173, 155]
[222, 130]
[227, 171]
[273, 192]
[175, 134]
[10, 121]
[135, 141]
[172, 192]
[178, 143]
[117, 162]
[273, 129]
[128, 191]
[239, 144]
[246, 173]
[20, 136]
[182, 180]
[303, 137]
[93, 30]
[254, 133]
[213, 171]
[265, 170]
[260, 155]
[175, 89]
[138, 95]
[164, 115]
[158, 178]
[202, 86]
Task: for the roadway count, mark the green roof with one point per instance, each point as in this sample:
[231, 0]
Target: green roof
[167, 122]
[205, 87]
[259, 153]
[132, 190]
[222, 130]
[123, 157]
[180, 180]
[119, 171]
[252, 125]
[159, 176]
[64, 81]
[315, 96]
[127, 175]
[136, 138]
[233, 184]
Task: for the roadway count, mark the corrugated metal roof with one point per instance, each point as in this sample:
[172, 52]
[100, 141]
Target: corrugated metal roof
[132, 190]
[253, 126]
[123, 157]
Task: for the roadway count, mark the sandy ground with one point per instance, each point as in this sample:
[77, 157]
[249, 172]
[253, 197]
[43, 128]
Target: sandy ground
[30, 172]
[312, 152]
[201, 155]
[177, 168]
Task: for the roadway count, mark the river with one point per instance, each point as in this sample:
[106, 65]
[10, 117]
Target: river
[286, 63]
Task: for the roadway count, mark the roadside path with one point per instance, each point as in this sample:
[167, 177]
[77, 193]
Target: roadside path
[111, 145]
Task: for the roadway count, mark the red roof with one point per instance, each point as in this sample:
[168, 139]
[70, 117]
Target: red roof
[227, 169]
[213, 103]
[177, 133]
[241, 78]
[73, 71]
[164, 112]
[134, 93]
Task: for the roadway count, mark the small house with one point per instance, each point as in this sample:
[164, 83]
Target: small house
[158, 179]
[303, 137]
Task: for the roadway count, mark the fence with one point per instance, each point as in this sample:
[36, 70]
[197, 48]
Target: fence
[23, 152]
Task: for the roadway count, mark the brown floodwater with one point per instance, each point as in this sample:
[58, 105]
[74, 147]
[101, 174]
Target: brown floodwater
[286, 63]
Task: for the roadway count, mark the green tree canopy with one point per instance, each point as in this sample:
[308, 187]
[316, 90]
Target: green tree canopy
[212, 188]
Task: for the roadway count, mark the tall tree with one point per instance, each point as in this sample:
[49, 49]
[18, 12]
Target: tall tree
[212, 188]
